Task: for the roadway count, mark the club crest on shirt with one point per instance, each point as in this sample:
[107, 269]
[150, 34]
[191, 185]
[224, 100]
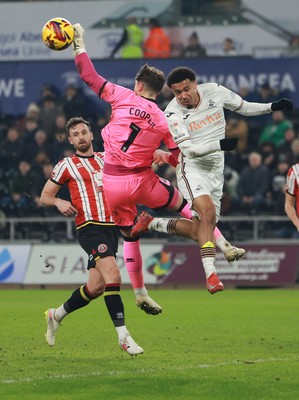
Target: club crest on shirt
[212, 104]
[102, 248]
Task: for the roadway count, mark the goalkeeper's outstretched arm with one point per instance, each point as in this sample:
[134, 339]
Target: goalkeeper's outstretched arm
[83, 63]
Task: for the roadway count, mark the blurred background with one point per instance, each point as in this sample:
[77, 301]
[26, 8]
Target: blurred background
[249, 46]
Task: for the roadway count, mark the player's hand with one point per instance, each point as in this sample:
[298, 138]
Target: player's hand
[66, 208]
[282, 105]
[79, 30]
[229, 144]
[161, 157]
[78, 43]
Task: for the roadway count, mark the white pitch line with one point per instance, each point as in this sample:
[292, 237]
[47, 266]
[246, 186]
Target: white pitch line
[148, 370]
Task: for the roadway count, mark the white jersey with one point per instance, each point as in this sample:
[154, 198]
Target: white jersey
[203, 124]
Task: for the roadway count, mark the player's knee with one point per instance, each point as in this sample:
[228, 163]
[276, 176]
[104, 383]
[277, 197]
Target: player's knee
[113, 276]
[96, 289]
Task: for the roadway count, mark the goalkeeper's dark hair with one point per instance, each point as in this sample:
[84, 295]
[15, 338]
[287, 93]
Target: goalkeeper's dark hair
[75, 121]
[151, 77]
[179, 74]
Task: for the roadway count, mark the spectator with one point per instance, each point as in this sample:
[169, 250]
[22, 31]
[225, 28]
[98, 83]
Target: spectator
[38, 186]
[39, 143]
[295, 152]
[238, 159]
[60, 123]
[253, 184]
[131, 41]
[49, 110]
[21, 186]
[278, 185]
[265, 94]
[32, 111]
[30, 128]
[293, 49]
[194, 49]
[229, 48]
[231, 179]
[157, 43]
[12, 149]
[73, 103]
[275, 132]
[164, 97]
[286, 147]
[269, 155]
[48, 91]
[41, 157]
[59, 146]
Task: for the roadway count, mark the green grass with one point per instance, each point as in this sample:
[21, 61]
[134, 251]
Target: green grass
[239, 344]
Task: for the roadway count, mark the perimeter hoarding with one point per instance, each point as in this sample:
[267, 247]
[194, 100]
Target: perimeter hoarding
[21, 83]
[163, 264]
[14, 262]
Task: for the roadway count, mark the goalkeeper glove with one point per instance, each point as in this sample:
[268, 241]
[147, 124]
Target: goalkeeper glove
[78, 43]
[282, 105]
[228, 144]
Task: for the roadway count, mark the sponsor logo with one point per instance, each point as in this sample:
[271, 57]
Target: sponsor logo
[163, 264]
[209, 119]
[169, 114]
[6, 265]
[198, 188]
[130, 259]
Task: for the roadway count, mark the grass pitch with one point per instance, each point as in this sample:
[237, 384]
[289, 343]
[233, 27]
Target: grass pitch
[239, 344]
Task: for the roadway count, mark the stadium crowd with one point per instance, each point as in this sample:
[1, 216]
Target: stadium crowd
[255, 172]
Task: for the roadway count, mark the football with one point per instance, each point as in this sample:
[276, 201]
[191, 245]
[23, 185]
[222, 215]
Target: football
[58, 34]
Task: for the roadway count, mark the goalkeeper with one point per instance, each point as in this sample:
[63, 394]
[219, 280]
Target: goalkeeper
[135, 130]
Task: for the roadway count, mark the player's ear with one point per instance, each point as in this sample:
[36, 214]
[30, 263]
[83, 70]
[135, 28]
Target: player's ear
[70, 139]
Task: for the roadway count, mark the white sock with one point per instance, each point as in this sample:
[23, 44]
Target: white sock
[60, 313]
[140, 291]
[223, 244]
[159, 225]
[209, 265]
[121, 331]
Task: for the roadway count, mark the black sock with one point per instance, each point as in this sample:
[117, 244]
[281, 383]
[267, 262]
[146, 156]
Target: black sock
[79, 298]
[114, 304]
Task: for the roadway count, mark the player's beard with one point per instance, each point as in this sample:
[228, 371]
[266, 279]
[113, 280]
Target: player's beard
[83, 147]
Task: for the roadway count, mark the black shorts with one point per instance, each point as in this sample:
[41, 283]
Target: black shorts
[98, 241]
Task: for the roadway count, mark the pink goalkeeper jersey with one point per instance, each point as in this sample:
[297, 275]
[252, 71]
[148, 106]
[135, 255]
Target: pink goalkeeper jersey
[136, 127]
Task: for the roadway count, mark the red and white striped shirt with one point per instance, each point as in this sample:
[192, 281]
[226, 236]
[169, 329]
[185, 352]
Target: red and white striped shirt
[293, 183]
[83, 176]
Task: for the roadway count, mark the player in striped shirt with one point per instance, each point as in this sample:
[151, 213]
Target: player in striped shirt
[292, 195]
[97, 233]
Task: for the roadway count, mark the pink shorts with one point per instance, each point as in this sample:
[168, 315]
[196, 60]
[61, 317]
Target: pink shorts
[124, 192]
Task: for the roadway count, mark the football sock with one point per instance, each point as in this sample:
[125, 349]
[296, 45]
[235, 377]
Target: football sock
[133, 262]
[114, 304]
[78, 299]
[165, 225]
[207, 252]
[221, 242]
[184, 210]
